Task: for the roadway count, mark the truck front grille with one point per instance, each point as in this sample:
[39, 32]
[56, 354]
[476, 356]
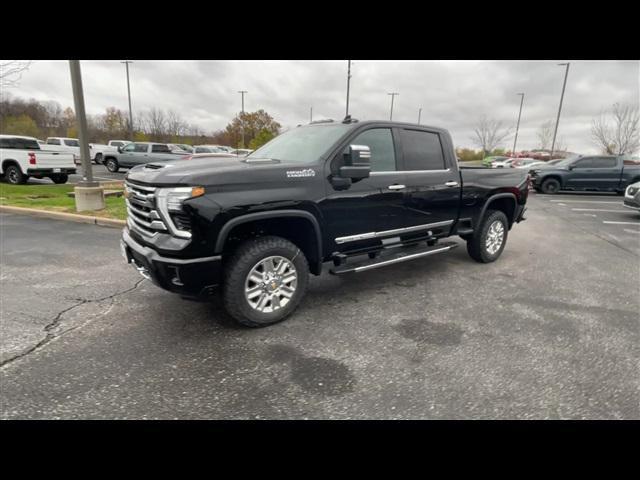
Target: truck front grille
[141, 210]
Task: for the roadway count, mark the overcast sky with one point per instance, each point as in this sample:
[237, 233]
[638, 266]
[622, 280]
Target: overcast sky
[452, 94]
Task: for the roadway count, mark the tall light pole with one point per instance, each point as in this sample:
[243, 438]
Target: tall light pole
[242, 92]
[419, 114]
[393, 94]
[348, 85]
[310, 114]
[126, 63]
[555, 132]
[89, 195]
[515, 141]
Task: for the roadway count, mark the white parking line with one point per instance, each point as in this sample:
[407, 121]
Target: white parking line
[631, 231]
[585, 201]
[596, 210]
[622, 223]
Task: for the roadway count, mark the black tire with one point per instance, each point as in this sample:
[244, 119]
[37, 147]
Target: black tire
[240, 265]
[14, 175]
[477, 245]
[550, 186]
[60, 178]
[111, 164]
[98, 158]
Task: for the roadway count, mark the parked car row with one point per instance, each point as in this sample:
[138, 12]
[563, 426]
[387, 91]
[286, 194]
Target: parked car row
[23, 157]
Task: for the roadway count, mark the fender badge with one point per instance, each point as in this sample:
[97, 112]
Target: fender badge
[307, 172]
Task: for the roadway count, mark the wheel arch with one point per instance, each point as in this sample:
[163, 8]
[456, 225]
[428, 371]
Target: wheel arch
[283, 223]
[7, 162]
[505, 202]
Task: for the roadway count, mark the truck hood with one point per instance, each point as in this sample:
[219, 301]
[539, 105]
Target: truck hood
[218, 171]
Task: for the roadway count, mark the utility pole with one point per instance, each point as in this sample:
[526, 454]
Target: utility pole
[311, 115]
[242, 92]
[88, 194]
[126, 63]
[518, 124]
[419, 114]
[393, 94]
[555, 132]
[348, 85]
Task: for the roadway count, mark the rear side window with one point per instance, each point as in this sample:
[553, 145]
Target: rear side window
[604, 162]
[380, 142]
[71, 143]
[422, 150]
[160, 149]
[53, 141]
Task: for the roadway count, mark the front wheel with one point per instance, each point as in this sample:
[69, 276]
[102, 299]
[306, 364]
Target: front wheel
[265, 281]
[112, 165]
[550, 185]
[487, 244]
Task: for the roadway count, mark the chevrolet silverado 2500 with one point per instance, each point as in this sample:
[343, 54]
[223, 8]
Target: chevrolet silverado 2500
[360, 195]
[22, 157]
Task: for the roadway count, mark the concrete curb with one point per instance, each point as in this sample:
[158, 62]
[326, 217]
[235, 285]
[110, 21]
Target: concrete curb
[70, 217]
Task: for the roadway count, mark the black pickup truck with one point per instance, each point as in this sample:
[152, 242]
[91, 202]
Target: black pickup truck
[361, 195]
[604, 173]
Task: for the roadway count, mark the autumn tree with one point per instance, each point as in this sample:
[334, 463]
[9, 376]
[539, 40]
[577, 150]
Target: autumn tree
[619, 135]
[21, 125]
[263, 137]
[253, 123]
[489, 134]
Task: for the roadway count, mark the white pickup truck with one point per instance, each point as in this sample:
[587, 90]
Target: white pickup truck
[98, 151]
[21, 158]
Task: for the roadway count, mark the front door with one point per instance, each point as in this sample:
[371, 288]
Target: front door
[370, 209]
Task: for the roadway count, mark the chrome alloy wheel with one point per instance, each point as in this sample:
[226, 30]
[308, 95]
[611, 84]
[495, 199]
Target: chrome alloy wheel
[495, 237]
[270, 284]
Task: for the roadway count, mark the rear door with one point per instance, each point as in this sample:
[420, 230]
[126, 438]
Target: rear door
[432, 193]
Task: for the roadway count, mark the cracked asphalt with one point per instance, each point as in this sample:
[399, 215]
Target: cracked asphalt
[551, 330]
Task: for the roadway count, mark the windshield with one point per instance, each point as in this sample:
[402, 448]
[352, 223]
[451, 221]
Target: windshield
[567, 161]
[302, 144]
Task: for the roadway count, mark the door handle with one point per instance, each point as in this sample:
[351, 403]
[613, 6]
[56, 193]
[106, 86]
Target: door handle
[395, 186]
[451, 184]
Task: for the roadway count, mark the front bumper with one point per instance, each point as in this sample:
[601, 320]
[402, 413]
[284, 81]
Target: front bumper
[632, 203]
[43, 172]
[194, 277]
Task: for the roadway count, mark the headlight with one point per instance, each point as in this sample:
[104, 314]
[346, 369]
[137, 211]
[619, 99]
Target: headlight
[171, 199]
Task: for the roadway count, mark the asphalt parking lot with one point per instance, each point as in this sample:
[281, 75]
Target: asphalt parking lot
[551, 330]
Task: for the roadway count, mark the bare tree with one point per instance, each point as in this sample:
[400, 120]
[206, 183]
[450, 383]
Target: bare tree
[11, 72]
[620, 137]
[176, 127]
[156, 124]
[489, 134]
[545, 135]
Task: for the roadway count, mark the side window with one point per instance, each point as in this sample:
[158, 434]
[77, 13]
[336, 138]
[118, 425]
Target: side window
[129, 148]
[160, 149]
[584, 163]
[605, 162]
[4, 142]
[380, 142]
[140, 148]
[71, 143]
[53, 141]
[422, 150]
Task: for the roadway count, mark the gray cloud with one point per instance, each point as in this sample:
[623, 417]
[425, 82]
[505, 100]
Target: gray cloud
[452, 94]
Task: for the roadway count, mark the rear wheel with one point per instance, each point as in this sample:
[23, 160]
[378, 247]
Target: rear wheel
[550, 186]
[60, 178]
[112, 165]
[265, 281]
[14, 175]
[488, 242]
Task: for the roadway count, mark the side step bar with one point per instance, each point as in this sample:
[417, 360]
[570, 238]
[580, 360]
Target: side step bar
[389, 259]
